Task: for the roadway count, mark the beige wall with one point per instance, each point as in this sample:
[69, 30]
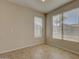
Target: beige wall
[68, 45]
[16, 27]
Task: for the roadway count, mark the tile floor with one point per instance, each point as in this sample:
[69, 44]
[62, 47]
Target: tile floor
[39, 52]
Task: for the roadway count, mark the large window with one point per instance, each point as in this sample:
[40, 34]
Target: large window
[66, 25]
[71, 25]
[38, 26]
[57, 26]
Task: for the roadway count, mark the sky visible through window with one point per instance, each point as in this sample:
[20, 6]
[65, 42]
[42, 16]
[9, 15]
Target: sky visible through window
[71, 17]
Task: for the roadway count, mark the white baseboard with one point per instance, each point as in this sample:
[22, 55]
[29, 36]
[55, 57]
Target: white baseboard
[34, 44]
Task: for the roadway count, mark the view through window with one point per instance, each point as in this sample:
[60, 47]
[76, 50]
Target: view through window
[71, 25]
[57, 26]
[38, 26]
[69, 30]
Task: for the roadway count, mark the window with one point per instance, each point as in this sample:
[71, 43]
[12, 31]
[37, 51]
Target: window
[38, 26]
[66, 25]
[57, 26]
[71, 25]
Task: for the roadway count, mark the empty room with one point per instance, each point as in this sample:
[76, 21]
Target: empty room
[39, 29]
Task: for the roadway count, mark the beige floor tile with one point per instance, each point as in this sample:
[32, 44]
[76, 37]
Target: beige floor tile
[40, 52]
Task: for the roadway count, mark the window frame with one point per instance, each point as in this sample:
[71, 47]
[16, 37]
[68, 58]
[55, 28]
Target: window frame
[74, 9]
[62, 23]
[40, 36]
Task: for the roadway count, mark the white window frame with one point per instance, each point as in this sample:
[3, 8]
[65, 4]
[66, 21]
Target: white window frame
[38, 21]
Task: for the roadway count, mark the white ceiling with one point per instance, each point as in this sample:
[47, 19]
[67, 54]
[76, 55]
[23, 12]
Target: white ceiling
[40, 6]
